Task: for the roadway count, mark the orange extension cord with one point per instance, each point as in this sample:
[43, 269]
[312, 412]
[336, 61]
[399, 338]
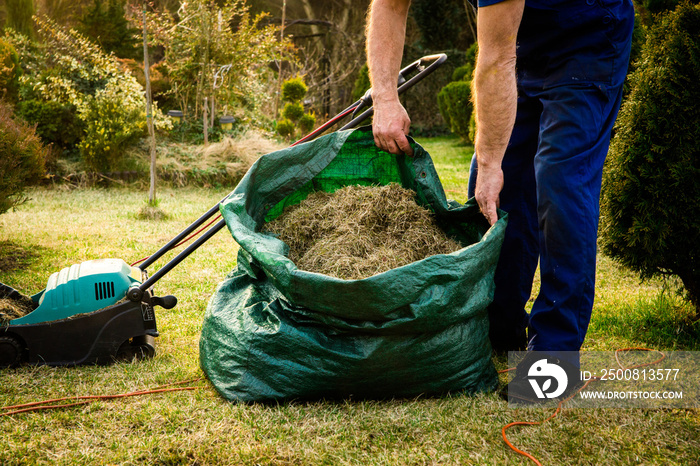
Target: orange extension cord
[561, 403]
[83, 400]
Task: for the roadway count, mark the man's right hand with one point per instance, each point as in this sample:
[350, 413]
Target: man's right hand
[489, 183]
[386, 30]
[390, 126]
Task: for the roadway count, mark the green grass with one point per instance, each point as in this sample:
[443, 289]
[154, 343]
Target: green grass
[60, 227]
[452, 158]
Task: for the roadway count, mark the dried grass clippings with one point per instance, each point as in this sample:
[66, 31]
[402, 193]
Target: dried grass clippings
[14, 308]
[360, 231]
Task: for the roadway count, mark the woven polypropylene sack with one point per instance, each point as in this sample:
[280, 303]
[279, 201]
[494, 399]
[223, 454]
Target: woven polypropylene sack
[272, 331]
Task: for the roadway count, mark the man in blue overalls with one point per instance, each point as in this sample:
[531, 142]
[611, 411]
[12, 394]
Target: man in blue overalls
[547, 85]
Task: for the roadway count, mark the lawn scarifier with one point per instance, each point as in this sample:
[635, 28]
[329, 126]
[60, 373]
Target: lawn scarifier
[103, 309]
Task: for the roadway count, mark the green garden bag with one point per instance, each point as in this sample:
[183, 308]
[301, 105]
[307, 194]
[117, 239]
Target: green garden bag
[274, 332]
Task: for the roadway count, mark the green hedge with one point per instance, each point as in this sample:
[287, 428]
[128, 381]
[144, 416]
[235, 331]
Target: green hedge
[454, 101]
[650, 206]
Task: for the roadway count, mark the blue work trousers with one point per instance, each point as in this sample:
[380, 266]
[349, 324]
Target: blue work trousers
[572, 61]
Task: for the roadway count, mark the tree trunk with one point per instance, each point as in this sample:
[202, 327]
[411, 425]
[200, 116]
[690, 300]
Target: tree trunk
[278, 99]
[206, 126]
[149, 115]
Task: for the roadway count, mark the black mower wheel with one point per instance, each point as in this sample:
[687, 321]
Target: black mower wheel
[141, 347]
[10, 352]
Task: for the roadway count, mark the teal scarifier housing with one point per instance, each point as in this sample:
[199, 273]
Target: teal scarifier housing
[81, 289]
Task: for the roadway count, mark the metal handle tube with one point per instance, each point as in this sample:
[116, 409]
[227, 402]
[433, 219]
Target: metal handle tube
[157, 255]
[183, 255]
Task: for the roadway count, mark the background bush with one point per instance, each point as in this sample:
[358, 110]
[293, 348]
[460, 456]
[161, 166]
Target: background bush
[307, 122]
[285, 128]
[650, 202]
[293, 111]
[10, 70]
[293, 92]
[56, 123]
[454, 101]
[71, 74]
[22, 158]
[294, 89]
[111, 127]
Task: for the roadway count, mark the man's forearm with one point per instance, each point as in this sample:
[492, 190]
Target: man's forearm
[495, 87]
[496, 98]
[495, 102]
[386, 29]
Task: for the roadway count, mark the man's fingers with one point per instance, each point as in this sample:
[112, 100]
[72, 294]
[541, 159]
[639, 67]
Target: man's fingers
[491, 214]
[392, 147]
[404, 146]
[390, 126]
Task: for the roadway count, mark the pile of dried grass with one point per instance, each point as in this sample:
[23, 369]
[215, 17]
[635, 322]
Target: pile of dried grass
[223, 162]
[359, 231]
[14, 308]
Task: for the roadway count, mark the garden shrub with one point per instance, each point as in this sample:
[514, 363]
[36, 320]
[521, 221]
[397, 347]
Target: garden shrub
[285, 127]
[293, 91]
[109, 103]
[454, 101]
[10, 70]
[293, 111]
[55, 122]
[463, 73]
[307, 122]
[22, 157]
[111, 126]
[472, 127]
[650, 206]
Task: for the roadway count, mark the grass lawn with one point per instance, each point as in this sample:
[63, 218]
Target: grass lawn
[59, 227]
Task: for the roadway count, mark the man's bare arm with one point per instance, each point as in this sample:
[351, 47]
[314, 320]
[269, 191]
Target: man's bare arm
[496, 95]
[386, 29]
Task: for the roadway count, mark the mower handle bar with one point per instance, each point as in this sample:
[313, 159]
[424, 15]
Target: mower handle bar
[366, 100]
[424, 71]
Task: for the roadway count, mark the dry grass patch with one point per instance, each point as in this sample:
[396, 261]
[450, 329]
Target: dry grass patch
[224, 162]
[14, 308]
[151, 212]
[360, 231]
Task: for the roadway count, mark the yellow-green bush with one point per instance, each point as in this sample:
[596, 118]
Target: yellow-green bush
[108, 101]
[307, 122]
[293, 111]
[293, 91]
[285, 127]
[22, 158]
[10, 70]
[111, 126]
